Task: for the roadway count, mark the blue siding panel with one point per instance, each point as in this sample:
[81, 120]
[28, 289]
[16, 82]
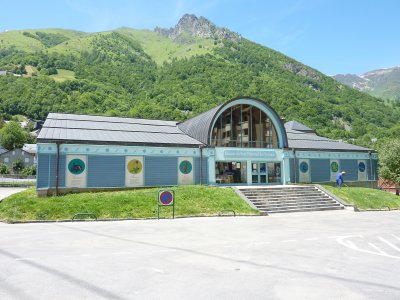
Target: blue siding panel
[351, 168]
[53, 170]
[160, 171]
[106, 171]
[63, 162]
[297, 165]
[47, 168]
[375, 169]
[196, 162]
[42, 180]
[320, 170]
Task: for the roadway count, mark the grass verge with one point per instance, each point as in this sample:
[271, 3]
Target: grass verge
[366, 198]
[17, 184]
[141, 203]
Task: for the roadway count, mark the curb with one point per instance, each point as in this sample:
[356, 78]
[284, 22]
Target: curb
[121, 219]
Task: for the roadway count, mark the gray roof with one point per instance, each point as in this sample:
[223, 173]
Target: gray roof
[3, 73]
[71, 128]
[30, 148]
[310, 141]
[199, 126]
[294, 125]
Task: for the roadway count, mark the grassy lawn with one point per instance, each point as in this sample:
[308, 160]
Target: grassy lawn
[366, 198]
[63, 75]
[140, 203]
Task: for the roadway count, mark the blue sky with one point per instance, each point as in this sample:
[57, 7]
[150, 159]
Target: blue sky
[335, 36]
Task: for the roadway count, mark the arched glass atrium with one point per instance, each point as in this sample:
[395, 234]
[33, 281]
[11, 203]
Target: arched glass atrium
[244, 126]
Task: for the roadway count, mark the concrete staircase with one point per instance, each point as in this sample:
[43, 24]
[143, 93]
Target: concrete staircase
[282, 199]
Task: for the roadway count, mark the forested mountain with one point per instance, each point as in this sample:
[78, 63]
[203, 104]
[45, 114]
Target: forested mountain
[382, 83]
[174, 74]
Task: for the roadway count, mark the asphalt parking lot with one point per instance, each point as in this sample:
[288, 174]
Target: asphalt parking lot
[318, 255]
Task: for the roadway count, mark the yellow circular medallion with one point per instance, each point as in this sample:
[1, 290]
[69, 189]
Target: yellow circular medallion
[135, 166]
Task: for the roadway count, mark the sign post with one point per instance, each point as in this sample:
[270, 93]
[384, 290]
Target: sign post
[166, 198]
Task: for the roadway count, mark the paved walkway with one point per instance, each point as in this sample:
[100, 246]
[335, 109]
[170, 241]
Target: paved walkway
[316, 255]
[8, 191]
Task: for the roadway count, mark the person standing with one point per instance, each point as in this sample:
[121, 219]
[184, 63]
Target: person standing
[339, 179]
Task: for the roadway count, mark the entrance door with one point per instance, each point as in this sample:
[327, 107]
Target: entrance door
[266, 172]
[259, 172]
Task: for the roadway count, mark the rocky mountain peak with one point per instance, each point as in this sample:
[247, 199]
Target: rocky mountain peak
[195, 26]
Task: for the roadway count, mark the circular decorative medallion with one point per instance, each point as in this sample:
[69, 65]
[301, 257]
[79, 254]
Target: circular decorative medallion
[76, 166]
[185, 167]
[361, 166]
[334, 167]
[304, 167]
[135, 166]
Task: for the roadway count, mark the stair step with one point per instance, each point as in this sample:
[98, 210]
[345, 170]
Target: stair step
[287, 197]
[293, 203]
[292, 200]
[273, 208]
[304, 210]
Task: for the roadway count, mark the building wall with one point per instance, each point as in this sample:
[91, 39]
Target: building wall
[320, 165]
[161, 171]
[106, 165]
[105, 171]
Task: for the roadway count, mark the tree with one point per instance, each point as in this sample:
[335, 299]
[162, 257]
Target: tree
[12, 136]
[389, 162]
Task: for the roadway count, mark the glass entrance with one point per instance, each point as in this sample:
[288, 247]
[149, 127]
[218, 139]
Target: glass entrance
[259, 172]
[265, 172]
[230, 172]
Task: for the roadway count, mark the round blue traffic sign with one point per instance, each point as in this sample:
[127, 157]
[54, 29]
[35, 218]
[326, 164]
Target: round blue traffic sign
[166, 198]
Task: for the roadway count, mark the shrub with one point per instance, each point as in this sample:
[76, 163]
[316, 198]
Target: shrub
[18, 165]
[4, 169]
[31, 170]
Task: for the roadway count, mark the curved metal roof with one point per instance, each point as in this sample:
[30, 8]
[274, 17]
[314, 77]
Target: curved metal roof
[200, 126]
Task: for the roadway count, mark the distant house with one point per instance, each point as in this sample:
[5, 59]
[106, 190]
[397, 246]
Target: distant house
[8, 157]
[30, 148]
[386, 185]
[3, 73]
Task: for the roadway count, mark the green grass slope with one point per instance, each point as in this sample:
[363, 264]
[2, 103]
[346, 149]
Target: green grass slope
[27, 40]
[141, 203]
[366, 198]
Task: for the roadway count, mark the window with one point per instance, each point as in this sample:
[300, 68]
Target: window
[244, 126]
[26, 159]
[6, 159]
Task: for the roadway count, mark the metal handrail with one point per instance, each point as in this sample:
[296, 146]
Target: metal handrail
[93, 215]
[227, 210]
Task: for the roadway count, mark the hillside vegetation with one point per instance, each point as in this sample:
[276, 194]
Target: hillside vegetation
[142, 73]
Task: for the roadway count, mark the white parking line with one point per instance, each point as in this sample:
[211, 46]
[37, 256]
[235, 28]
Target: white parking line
[389, 244]
[395, 236]
[344, 240]
[377, 249]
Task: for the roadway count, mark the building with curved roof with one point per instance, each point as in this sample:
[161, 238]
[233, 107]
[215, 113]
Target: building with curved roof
[240, 142]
